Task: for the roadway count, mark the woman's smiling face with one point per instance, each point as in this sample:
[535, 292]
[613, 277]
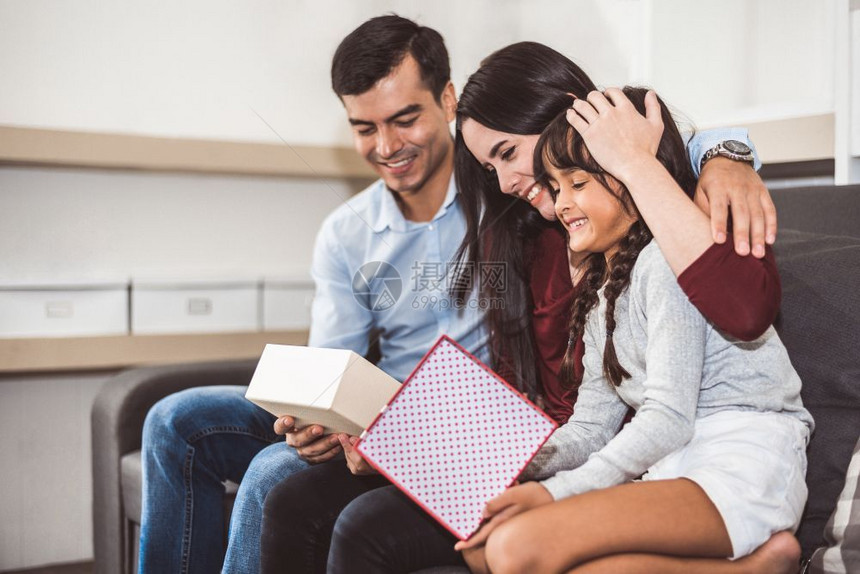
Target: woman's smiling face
[510, 157]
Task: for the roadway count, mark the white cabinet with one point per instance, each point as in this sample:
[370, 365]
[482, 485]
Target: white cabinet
[63, 309]
[192, 306]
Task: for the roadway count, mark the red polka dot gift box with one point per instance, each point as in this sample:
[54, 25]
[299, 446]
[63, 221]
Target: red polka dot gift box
[454, 436]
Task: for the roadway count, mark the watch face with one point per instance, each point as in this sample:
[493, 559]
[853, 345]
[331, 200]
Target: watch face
[737, 147]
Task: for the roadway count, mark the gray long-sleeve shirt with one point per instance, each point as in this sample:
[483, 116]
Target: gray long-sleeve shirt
[681, 367]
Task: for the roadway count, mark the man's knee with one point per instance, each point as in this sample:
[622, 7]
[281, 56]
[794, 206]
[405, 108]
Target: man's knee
[181, 413]
[270, 466]
[162, 417]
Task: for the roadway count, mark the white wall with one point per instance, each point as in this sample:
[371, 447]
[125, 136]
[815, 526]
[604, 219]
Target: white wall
[735, 61]
[75, 223]
[47, 494]
[198, 68]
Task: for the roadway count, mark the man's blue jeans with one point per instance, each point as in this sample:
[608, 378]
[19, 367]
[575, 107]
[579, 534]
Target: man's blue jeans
[192, 441]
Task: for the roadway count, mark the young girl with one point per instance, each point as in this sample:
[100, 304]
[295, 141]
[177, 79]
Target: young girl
[719, 431]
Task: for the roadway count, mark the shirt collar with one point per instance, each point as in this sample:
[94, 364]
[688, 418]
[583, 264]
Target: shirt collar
[389, 214]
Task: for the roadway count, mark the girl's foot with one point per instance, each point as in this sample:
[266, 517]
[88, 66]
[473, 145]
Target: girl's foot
[779, 555]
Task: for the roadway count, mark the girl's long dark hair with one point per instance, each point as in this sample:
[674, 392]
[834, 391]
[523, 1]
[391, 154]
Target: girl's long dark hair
[562, 147]
[518, 90]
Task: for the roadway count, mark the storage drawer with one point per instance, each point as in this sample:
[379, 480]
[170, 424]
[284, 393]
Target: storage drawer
[63, 310]
[194, 307]
[287, 304]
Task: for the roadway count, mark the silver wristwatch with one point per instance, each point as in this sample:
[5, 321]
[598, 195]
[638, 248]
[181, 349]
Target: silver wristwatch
[732, 149]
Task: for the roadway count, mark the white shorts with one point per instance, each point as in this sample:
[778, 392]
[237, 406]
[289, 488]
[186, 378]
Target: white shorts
[752, 466]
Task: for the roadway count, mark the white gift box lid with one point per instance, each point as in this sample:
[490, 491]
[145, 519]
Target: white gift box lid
[335, 388]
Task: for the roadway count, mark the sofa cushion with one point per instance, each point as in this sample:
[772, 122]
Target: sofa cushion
[130, 476]
[819, 323]
[130, 472]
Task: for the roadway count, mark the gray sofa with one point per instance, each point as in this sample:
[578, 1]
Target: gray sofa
[117, 425]
[818, 252]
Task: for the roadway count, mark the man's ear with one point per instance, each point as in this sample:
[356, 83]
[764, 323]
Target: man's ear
[449, 102]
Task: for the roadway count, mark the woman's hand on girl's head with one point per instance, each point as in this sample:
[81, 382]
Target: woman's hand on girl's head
[513, 501]
[354, 461]
[616, 134]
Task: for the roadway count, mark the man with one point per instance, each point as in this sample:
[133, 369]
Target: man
[404, 228]
[379, 264]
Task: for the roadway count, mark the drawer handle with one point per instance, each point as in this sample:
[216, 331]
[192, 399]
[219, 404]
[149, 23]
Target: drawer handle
[200, 306]
[59, 309]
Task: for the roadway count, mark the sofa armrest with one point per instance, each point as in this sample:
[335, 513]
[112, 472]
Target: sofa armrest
[117, 427]
[121, 405]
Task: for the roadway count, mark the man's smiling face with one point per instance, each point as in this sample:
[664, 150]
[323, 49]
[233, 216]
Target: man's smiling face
[400, 128]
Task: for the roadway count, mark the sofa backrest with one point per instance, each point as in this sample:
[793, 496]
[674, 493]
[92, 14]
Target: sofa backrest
[819, 323]
[826, 209]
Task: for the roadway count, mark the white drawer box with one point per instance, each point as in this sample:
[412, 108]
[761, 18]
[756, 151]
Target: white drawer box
[287, 304]
[194, 307]
[69, 310]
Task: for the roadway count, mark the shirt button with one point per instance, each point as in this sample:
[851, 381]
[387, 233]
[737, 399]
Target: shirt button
[431, 227]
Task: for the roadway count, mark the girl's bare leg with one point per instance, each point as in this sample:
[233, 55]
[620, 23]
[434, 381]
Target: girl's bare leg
[666, 517]
[779, 555]
[476, 560]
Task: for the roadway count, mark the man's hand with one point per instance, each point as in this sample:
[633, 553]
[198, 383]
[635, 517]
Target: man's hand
[511, 502]
[309, 441]
[354, 461]
[725, 183]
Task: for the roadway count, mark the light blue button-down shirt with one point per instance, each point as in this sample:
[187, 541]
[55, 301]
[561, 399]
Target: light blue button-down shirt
[405, 304]
[380, 276]
[703, 141]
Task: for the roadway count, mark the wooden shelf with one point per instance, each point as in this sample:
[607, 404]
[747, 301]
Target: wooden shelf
[33, 146]
[94, 353]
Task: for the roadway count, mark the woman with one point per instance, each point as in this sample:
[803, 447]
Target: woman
[501, 112]
[515, 94]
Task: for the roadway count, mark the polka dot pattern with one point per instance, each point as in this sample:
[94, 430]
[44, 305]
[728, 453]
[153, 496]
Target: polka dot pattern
[455, 436]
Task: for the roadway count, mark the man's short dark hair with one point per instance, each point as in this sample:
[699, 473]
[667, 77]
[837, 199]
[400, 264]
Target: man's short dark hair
[374, 49]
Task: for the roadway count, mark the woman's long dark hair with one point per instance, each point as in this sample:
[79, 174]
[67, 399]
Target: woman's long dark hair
[518, 90]
[562, 147]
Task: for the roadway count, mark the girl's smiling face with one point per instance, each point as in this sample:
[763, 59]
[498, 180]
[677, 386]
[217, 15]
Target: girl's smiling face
[593, 215]
[510, 157]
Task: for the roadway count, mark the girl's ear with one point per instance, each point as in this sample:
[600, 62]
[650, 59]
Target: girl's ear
[623, 196]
